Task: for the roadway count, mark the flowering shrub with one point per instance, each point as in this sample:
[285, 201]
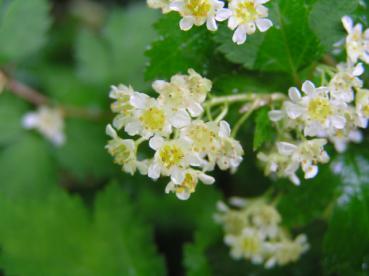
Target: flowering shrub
[266, 102]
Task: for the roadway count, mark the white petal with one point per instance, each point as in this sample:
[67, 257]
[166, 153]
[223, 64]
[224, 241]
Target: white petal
[339, 122]
[311, 172]
[211, 24]
[295, 180]
[30, 120]
[260, 2]
[154, 171]
[294, 94]
[232, 23]
[239, 36]
[186, 23]
[206, 179]
[275, 115]
[286, 148]
[224, 129]
[180, 119]
[111, 131]
[170, 187]
[223, 14]
[156, 142]
[347, 23]
[356, 136]
[183, 196]
[308, 87]
[263, 24]
[358, 70]
[195, 109]
[177, 176]
[139, 100]
[293, 110]
[158, 85]
[176, 6]
[132, 128]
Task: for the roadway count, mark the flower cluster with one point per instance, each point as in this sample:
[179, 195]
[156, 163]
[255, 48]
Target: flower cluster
[244, 16]
[333, 112]
[49, 122]
[185, 145]
[253, 232]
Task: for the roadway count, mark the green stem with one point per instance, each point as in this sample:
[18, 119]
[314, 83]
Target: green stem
[240, 122]
[223, 113]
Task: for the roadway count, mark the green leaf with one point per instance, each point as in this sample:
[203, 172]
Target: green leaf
[26, 169]
[116, 54]
[287, 47]
[346, 243]
[325, 19]
[11, 113]
[300, 205]
[264, 130]
[58, 237]
[176, 51]
[23, 27]
[84, 153]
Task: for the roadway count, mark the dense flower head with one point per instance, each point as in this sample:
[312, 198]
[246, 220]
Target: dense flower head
[185, 144]
[49, 122]
[253, 232]
[244, 16]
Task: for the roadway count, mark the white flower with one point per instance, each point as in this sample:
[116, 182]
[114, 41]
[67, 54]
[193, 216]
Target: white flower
[362, 107]
[184, 92]
[248, 245]
[149, 117]
[199, 12]
[357, 41]
[286, 251]
[184, 189]
[160, 4]
[265, 217]
[316, 110]
[122, 94]
[247, 15]
[48, 121]
[230, 152]
[306, 154]
[123, 151]
[344, 82]
[172, 158]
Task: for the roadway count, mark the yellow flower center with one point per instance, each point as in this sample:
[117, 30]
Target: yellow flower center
[153, 119]
[246, 12]
[199, 8]
[188, 185]
[171, 155]
[251, 245]
[319, 109]
[203, 138]
[173, 96]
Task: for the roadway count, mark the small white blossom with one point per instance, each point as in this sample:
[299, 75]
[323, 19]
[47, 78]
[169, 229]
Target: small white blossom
[184, 189]
[357, 41]
[122, 95]
[306, 154]
[49, 122]
[316, 111]
[344, 82]
[172, 158]
[247, 15]
[160, 4]
[149, 117]
[286, 251]
[123, 151]
[230, 151]
[199, 12]
[362, 107]
[184, 92]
